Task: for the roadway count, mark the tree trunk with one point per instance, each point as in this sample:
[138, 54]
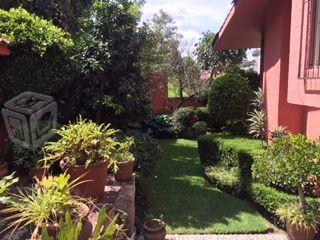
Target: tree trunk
[302, 200]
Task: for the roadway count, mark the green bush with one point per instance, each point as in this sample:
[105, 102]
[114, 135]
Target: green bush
[229, 151]
[229, 102]
[269, 198]
[208, 150]
[162, 127]
[226, 180]
[202, 114]
[199, 128]
[40, 55]
[190, 122]
[292, 159]
[146, 151]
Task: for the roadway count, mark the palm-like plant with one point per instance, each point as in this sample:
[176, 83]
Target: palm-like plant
[42, 204]
[258, 117]
[257, 124]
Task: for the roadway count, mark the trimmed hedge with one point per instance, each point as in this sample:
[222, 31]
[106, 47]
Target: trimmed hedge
[226, 181]
[229, 151]
[232, 159]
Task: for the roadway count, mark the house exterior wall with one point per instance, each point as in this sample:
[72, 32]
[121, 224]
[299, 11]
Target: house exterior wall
[302, 92]
[275, 75]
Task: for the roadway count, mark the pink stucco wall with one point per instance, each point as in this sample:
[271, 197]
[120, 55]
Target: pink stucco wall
[276, 58]
[290, 101]
[302, 92]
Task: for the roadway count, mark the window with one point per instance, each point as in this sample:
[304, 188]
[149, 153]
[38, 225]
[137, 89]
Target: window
[310, 40]
[315, 61]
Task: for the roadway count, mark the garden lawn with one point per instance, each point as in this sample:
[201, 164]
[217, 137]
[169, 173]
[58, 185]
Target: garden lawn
[189, 204]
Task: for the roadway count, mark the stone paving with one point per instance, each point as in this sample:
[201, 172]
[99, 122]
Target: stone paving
[271, 236]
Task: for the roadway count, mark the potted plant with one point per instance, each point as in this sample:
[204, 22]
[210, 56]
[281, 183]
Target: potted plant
[26, 159]
[84, 150]
[300, 225]
[43, 205]
[291, 162]
[106, 228]
[123, 161]
[154, 229]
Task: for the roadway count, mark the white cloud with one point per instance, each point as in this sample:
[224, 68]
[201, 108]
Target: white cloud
[198, 16]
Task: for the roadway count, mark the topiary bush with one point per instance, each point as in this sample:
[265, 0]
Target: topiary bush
[225, 180]
[208, 150]
[40, 55]
[229, 102]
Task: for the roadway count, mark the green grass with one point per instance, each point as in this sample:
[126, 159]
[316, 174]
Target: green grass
[174, 91]
[250, 146]
[188, 203]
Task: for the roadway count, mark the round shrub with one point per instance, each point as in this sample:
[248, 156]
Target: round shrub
[146, 151]
[183, 120]
[229, 102]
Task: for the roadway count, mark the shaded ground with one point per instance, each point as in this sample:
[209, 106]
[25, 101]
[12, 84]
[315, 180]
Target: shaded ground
[188, 203]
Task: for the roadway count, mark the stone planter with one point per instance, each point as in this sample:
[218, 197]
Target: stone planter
[94, 178]
[3, 169]
[125, 171]
[296, 232]
[154, 229]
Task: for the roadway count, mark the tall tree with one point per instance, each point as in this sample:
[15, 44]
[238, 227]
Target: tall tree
[110, 87]
[217, 62]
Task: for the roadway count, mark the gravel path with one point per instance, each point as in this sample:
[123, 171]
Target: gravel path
[271, 236]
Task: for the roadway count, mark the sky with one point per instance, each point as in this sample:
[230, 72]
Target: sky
[192, 17]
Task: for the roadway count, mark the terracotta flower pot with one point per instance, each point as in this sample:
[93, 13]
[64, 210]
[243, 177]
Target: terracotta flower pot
[93, 177]
[3, 169]
[37, 172]
[154, 229]
[125, 171]
[296, 232]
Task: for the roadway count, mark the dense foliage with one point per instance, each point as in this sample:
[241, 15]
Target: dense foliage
[82, 143]
[62, 13]
[229, 102]
[187, 122]
[110, 87]
[162, 127]
[39, 60]
[146, 151]
[289, 162]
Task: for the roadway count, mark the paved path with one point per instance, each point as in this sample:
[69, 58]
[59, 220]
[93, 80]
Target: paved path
[271, 236]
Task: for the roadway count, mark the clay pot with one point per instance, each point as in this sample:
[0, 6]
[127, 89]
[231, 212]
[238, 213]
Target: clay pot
[3, 169]
[37, 172]
[94, 178]
[154, 229]
[125, 171]
[296, 232]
